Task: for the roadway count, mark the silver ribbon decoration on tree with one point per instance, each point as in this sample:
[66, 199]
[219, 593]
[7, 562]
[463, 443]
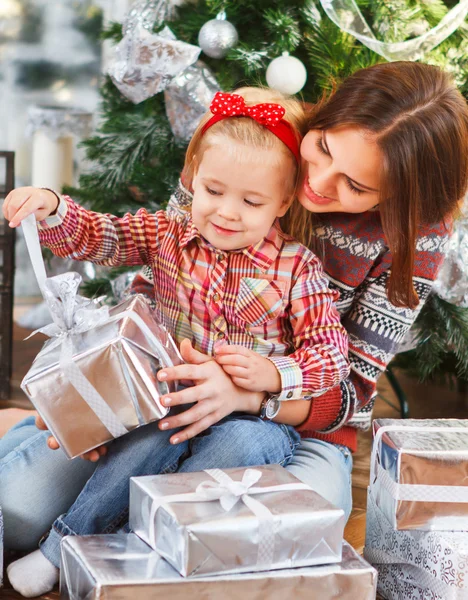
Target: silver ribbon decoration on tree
[451, 283]
[72, 315]
[188, 97]
[228, 492]
[347, 16]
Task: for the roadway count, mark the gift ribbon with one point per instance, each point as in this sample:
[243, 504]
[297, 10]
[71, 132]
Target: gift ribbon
[347, 16]
[63, 311]
[417, 576]
[408, 491]
[229, 492]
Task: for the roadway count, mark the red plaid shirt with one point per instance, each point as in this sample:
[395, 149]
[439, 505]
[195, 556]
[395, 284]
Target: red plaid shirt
[271, 297]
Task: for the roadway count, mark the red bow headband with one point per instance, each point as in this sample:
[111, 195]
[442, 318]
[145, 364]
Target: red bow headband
[268, 115]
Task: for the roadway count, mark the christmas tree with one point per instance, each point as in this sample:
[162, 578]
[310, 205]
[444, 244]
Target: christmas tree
[136, 156]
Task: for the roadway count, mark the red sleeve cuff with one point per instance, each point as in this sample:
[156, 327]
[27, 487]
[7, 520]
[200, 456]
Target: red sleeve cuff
[323, 412]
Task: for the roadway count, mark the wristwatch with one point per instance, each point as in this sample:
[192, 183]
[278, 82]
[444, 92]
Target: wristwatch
[270, 407]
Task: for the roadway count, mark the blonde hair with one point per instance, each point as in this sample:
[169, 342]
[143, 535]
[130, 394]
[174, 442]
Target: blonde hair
[249, 132]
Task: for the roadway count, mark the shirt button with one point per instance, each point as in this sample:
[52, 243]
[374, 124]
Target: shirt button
[216, 297]
[220, 335]
[219, 257]
[290, 395]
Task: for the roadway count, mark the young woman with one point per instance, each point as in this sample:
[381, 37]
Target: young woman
[385, 166]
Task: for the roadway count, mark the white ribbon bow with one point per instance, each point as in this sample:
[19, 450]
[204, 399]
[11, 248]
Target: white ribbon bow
[229, 493]
[72, 314]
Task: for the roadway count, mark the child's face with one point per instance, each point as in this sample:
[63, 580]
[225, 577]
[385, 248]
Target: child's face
[238, 193]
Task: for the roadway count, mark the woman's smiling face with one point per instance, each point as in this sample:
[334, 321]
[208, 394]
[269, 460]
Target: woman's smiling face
[341, 172]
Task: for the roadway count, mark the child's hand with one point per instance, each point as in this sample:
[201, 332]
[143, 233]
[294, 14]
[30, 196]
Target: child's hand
[27, 200]
[213, 395]
[248, 369]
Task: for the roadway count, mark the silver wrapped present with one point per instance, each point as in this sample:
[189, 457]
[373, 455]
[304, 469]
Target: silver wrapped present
[119, 360]
[1, 548]
[435, 562]
[95, 378]
[419, 473]
[122, 567]
[235, 520]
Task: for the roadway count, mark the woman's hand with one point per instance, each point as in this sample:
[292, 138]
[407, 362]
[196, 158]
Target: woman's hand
[215, 395]
[25, 201]
[93, 455]
[248, 369]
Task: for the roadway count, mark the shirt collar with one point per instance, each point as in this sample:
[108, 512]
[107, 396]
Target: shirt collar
[262, 254]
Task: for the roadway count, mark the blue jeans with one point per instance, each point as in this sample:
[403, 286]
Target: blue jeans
[37, 484]
[102, 505]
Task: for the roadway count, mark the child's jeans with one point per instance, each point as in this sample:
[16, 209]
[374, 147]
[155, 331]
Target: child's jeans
[38, 484]
[102, 506]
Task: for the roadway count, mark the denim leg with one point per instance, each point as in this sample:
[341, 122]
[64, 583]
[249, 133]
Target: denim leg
[241, 441]
[326, 468]
[36, 484]
[102, 505]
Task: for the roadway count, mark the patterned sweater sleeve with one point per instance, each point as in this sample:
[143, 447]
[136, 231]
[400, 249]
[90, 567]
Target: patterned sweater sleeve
[104, 239]
[376, 328]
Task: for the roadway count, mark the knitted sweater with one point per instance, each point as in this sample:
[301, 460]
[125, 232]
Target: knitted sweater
[357, 262]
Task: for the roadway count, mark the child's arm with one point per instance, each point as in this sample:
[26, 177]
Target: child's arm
[69, 230]
[320, 359]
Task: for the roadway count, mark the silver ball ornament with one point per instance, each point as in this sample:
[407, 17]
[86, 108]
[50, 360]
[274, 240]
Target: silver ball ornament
[287, 74]
[217, 37]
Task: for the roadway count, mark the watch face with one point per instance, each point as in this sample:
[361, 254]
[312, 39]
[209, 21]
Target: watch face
[272, 408]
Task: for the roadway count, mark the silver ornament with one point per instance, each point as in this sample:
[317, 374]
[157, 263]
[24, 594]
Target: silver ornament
[217, 37]
[188, 97]
[145, 63]
[452, 281]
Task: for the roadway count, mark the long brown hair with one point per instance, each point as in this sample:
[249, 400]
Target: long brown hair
[420, 122]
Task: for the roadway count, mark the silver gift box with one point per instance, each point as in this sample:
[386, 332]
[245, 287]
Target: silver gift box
[1, 548]
[407, 459]
[122, 567]
[201, 538]
[436, 562]
[120, 363]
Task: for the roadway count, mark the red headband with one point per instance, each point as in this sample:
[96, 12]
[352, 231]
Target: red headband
[268, 115]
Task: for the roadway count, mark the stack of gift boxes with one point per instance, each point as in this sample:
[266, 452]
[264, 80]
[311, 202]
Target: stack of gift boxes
[253, 533]
[417, 510]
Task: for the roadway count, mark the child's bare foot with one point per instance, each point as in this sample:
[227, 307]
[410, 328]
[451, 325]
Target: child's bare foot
[11, 416]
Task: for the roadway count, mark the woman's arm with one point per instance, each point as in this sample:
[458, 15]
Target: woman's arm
[376, 328]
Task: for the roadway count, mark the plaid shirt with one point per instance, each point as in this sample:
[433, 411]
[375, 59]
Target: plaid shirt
[271, 297]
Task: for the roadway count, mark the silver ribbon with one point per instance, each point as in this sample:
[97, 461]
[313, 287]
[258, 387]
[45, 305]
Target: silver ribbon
[72, 315]
[347, 16]
[414, 492]
[228, 492]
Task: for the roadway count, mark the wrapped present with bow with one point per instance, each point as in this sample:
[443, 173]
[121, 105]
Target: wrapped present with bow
[95, 378]
[235, 520]
[419, 473]
[123, 567]
[416, 564]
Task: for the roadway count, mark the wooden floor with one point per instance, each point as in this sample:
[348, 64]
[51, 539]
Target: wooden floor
[425, 401]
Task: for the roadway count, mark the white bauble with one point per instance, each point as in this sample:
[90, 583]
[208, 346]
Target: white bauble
[286, 74]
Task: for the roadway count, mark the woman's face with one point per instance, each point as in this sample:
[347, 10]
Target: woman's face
[342, 171]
